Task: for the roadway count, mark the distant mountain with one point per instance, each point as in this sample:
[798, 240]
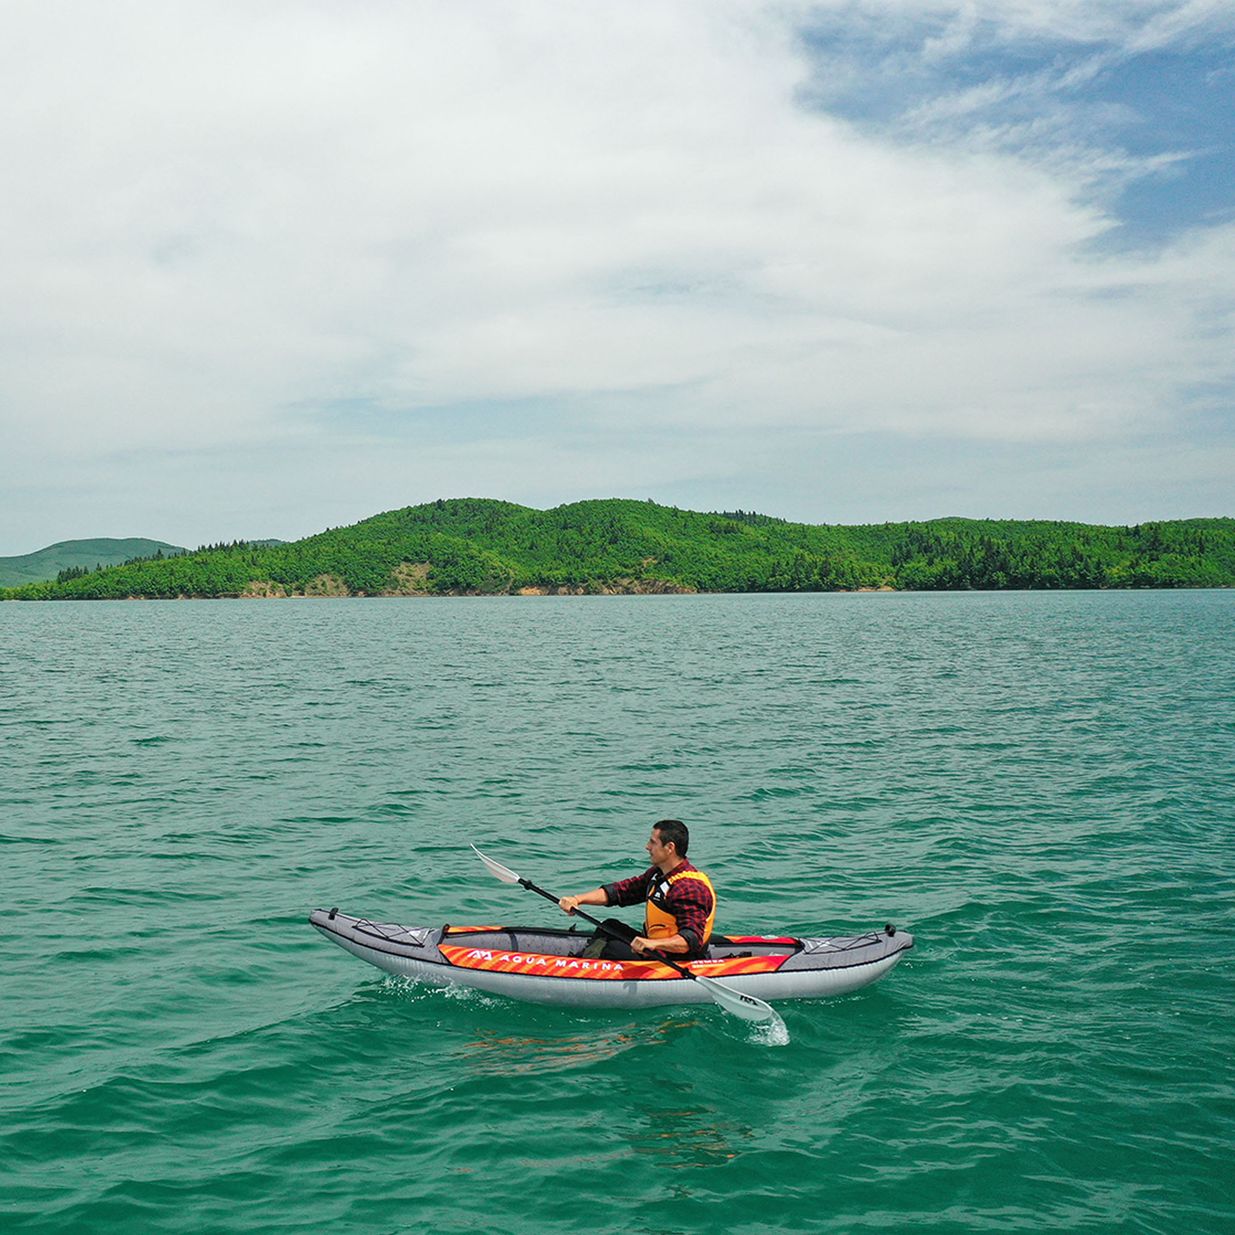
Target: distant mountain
[473, 546]
[83, 555]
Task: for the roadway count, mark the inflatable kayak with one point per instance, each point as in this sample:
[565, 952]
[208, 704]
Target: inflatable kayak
[547, 966]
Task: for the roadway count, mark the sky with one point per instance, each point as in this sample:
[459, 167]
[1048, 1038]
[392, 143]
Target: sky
[272, 268]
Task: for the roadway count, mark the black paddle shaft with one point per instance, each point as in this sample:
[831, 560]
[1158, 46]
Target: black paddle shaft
[660, 956]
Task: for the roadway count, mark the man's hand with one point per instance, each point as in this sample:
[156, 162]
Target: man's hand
[568, 904]
[642, 944]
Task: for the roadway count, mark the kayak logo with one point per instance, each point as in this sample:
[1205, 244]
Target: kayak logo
[534, 964]
[539, 963]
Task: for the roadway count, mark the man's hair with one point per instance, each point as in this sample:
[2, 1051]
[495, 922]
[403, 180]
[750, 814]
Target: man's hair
[674, 832]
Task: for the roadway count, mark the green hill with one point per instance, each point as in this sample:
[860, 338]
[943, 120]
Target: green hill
[469, 546]
[84, 555]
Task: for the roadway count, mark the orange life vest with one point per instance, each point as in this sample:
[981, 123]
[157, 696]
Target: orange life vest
[658, 922]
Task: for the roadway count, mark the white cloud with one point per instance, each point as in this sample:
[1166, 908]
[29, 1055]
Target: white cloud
[215, 215]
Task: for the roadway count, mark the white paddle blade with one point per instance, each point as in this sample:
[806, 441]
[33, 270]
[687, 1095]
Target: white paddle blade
[746, 1006]
[504, 873]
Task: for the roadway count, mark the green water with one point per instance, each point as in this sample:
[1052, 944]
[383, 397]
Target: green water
[1039, 786]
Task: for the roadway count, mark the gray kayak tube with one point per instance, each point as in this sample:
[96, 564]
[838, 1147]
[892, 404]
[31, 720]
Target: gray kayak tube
[542, 965]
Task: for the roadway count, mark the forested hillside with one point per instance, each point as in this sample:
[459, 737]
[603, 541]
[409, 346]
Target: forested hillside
[79, 556]
[476, 546]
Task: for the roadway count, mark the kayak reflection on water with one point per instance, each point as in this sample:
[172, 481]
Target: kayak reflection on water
[505, 1054]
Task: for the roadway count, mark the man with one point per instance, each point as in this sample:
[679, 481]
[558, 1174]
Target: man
[680, 900]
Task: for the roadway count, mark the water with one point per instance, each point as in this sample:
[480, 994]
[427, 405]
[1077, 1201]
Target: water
[1039, 786]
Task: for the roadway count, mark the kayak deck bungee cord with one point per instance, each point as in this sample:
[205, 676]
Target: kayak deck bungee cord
[542, 965]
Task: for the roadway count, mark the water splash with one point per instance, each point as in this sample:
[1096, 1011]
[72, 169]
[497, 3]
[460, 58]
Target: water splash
[417, 991]
[769, 1033]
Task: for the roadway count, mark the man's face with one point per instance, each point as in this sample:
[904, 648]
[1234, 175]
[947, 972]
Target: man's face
[656, 851]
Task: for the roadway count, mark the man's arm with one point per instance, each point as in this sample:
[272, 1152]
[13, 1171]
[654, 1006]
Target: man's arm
[626, 892]
[597, 896]
[690, 902]
[671, 943]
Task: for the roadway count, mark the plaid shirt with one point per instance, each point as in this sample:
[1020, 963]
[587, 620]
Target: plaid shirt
[688, 900]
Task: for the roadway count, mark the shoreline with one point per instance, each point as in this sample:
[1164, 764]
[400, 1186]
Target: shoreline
[564, 593]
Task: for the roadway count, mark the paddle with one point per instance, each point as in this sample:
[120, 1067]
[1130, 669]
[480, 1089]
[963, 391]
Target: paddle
[746, 1006]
